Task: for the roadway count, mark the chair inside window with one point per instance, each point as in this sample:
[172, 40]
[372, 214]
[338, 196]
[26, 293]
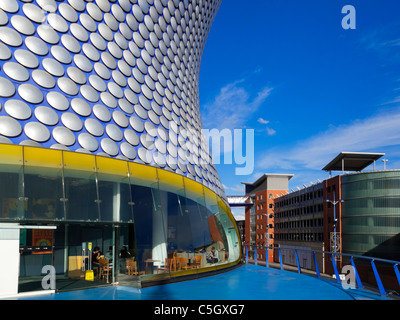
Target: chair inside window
[197, 261]
[173, 263]
[183, 264]
[131, 267]
[105, 269]
[165, 267]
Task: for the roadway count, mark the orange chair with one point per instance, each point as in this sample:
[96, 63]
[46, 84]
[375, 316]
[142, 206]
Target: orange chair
[105, 268]
[197, 261]
[131, 267]
[183, 264]
[173, 263]
[164, 268]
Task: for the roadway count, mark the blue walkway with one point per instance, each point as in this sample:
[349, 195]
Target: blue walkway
[248, 282]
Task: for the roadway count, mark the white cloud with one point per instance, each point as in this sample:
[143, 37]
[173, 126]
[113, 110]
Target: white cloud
[271, 131]
[263, 121]
[233, 106]
[371, 134]
[238, 188]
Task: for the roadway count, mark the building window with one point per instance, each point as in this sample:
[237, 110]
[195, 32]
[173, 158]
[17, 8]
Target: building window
[270, 196]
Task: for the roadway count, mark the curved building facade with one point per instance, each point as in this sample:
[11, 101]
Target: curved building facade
[370, 214]
[102, 138]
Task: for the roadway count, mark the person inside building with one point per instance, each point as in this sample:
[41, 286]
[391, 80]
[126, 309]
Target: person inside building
[95, 260]
[96, 255]
[109, 254]
[212, 256]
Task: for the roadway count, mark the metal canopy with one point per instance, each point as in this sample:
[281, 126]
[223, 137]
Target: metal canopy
[352, 161]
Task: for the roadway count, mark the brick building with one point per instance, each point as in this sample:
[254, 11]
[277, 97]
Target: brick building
[260, 217]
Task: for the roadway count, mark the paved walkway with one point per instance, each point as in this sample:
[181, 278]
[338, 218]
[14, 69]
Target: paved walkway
[248, 282]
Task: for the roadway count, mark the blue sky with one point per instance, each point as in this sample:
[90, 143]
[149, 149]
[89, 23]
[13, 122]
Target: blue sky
[309, 88]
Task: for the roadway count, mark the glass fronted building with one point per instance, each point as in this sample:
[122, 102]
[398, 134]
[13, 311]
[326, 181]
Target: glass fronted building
[370, 214]
[101, 143]
[150, 223]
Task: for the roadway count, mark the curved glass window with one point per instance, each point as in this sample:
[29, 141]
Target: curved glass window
[370, 215]
[115, 202]
[80, 187]
[148, 223]
[43, 191]
[12, 203]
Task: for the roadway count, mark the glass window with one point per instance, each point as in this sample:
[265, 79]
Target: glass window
[114, 191]
[77, 252]
[44, 193]
[36, 252]
[43, 189]
[12, 204]
[179, 232]
[218, 246]
[126, 254]
[80, 187]
[195, 205]
[115, 198]
[232, 249]
[149, 229]
[149, 217]
[81, 195]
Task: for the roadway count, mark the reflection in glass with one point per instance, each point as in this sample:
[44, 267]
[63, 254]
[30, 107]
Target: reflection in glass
[198, 223]
[12, 204]
[43, 190]
[81, 195]
[115, 198]
[149, 229]
[32, 261]
[126, 252]
[231, 243]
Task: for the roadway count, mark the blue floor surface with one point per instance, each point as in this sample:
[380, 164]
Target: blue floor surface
[247, 282]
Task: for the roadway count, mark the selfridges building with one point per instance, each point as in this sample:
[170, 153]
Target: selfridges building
[102, 144]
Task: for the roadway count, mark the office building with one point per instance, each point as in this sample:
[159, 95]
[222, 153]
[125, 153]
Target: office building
[355, 212]
[260, 217]
[299, 225]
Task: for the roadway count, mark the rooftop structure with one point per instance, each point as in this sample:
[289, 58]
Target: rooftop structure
[268, 181]
[352, 161]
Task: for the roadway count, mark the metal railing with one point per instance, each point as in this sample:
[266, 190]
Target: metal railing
[333, 257]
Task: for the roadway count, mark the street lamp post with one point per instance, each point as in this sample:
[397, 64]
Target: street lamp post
[334, 202]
